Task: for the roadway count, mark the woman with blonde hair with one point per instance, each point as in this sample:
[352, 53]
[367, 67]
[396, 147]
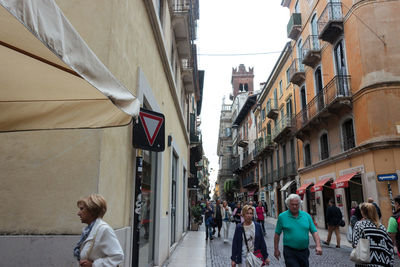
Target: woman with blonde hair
[254, 242]
[98, 245]
[381, 245]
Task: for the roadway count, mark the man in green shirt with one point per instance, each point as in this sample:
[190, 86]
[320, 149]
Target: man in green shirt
[296, 225]
[393, 226]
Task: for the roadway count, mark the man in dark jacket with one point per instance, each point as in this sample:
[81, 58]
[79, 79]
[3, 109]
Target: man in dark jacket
[333, 219]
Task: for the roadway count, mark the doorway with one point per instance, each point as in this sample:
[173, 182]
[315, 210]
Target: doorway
[354, 192]
[174, 175]
[327, 194]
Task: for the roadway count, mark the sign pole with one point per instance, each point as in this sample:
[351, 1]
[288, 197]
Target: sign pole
[391, 196]
[137, 211]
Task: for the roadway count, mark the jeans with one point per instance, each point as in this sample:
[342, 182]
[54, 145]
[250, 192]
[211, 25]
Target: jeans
[209, 228]
[296, 257]
[262, 225]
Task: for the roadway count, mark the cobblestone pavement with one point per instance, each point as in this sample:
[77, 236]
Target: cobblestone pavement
[218, 253]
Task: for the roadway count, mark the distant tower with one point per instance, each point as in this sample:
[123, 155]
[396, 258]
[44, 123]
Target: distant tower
[242, 80]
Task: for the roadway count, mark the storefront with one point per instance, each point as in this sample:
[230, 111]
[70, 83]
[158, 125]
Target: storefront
[324, 186]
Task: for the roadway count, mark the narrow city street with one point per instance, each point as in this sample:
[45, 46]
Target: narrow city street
[218, 252]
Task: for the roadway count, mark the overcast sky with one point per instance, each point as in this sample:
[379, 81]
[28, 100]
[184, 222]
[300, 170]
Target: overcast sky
[234, 27]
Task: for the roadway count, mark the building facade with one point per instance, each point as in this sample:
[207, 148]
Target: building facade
[347, 86]
[48, 164]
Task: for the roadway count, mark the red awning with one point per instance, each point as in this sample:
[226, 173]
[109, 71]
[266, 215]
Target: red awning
[320, 185]
[251, 193]
[343, 181]
[302, 189]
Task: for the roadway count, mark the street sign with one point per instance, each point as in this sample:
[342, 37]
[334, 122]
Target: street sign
[387, 177]
[149, 131]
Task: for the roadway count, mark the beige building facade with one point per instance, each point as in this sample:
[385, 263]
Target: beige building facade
[149, 48]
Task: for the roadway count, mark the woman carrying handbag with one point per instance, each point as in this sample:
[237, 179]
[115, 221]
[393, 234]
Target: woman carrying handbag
[370, 235]
[249, 243]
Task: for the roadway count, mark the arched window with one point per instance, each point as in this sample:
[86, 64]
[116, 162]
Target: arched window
[246, 87]
[348, 135]
[241, 87]
[324, 147]
[307, 154]
[319, 88]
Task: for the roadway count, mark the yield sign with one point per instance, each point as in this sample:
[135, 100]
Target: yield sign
[149, 131]
[151, 125]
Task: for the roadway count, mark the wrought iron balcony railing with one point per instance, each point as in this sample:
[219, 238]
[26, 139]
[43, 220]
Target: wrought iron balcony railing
[311, 51]
[338, 88]
[296, 72]
[330, 23]
[283, 126]
[294, 26]
[263, 143]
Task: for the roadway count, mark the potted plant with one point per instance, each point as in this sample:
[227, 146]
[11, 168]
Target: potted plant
[196, 218]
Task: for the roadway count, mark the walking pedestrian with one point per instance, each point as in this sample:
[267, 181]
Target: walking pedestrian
[251, 204]
[333, 219]
[98, 245]
[260, 215]
[226, 220]
[354, 204]
[394, 226]
[254, 240]
[381, 245]
[218, 217]
[208, 219]
[237, 213]
[296, 225]
[378, 210]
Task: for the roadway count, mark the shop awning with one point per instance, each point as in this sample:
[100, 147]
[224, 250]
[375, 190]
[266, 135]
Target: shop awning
[320, 185]
[302, 189]
[343, 181]
[287, 185]
[50, 78]
[251, 193]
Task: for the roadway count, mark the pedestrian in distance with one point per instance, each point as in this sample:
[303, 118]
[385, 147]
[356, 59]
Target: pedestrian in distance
[260, 211]
[254, 240]
[226, 220]
[354, 204]
[381, 245]
[98, 245]
[296, 226]
[237, 214]
[333, 219]
[378, 210]
[394, 226]
[218, 217]
[208, 219]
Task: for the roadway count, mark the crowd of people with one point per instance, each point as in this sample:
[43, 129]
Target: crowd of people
[249, 246]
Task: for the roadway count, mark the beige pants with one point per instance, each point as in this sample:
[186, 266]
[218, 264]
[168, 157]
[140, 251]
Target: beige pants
[331, 229]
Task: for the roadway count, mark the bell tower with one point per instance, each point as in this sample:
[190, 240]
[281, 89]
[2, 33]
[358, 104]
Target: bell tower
[242, 80]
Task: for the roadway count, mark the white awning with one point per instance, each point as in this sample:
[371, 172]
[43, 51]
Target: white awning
[287, 185]
[50, 78]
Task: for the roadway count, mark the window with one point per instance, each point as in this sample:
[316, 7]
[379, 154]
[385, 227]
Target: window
[277, 162]
[275, 99]
[288, 77]
[292, 152]
[307, 155]
[323, 140]
[319, 89]
[297, 7]
[289, 107]
[246, 87]
[348, 135]
[228, 132]
[263, 114]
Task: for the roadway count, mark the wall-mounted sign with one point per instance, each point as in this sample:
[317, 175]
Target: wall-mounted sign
[149, 131]
[387, 177]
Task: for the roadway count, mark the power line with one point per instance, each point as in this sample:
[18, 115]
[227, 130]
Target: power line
[240, 54]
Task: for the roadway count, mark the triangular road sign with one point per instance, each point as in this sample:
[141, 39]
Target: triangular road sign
[151, 125]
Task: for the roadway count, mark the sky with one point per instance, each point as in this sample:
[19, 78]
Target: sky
[231, 27]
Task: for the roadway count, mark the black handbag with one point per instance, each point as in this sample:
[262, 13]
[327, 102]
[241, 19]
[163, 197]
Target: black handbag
[342, 223]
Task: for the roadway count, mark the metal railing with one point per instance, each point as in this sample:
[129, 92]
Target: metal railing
[290, 168]
[310, 44]
[295, 67]
[332, 12]
[248, 158]
[261, 143]
[235, 163]
[338, 87]
[248, 180]
[282, 124]
[295, 20]
[271, 105]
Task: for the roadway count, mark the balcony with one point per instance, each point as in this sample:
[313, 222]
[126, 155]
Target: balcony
[195, 135]
[336, 95]
[264, 145]
[187, 74]
[225, 172]
[249, 181]
[285, 3]
[311, 51]
[248, 160]
[284, 128]
[290, 169]
[275, 175]
[296, 72]
[183, 24]
[236, 165]
[294, 26]
[272, 109]
[243, 141]
[330, 23]
[268, 178]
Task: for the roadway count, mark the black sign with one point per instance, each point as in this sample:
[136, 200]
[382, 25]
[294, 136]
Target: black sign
[149, 131]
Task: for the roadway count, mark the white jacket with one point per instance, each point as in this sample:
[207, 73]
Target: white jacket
[105, 251]
[223, 211]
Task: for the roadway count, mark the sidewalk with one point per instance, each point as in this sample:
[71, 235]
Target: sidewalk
[323, 234]
[191, 251]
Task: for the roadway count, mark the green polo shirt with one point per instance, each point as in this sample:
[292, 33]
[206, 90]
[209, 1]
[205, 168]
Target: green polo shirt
[295, 229]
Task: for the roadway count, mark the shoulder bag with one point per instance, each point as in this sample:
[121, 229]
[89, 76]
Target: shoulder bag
[361, 253]
[251, 258]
